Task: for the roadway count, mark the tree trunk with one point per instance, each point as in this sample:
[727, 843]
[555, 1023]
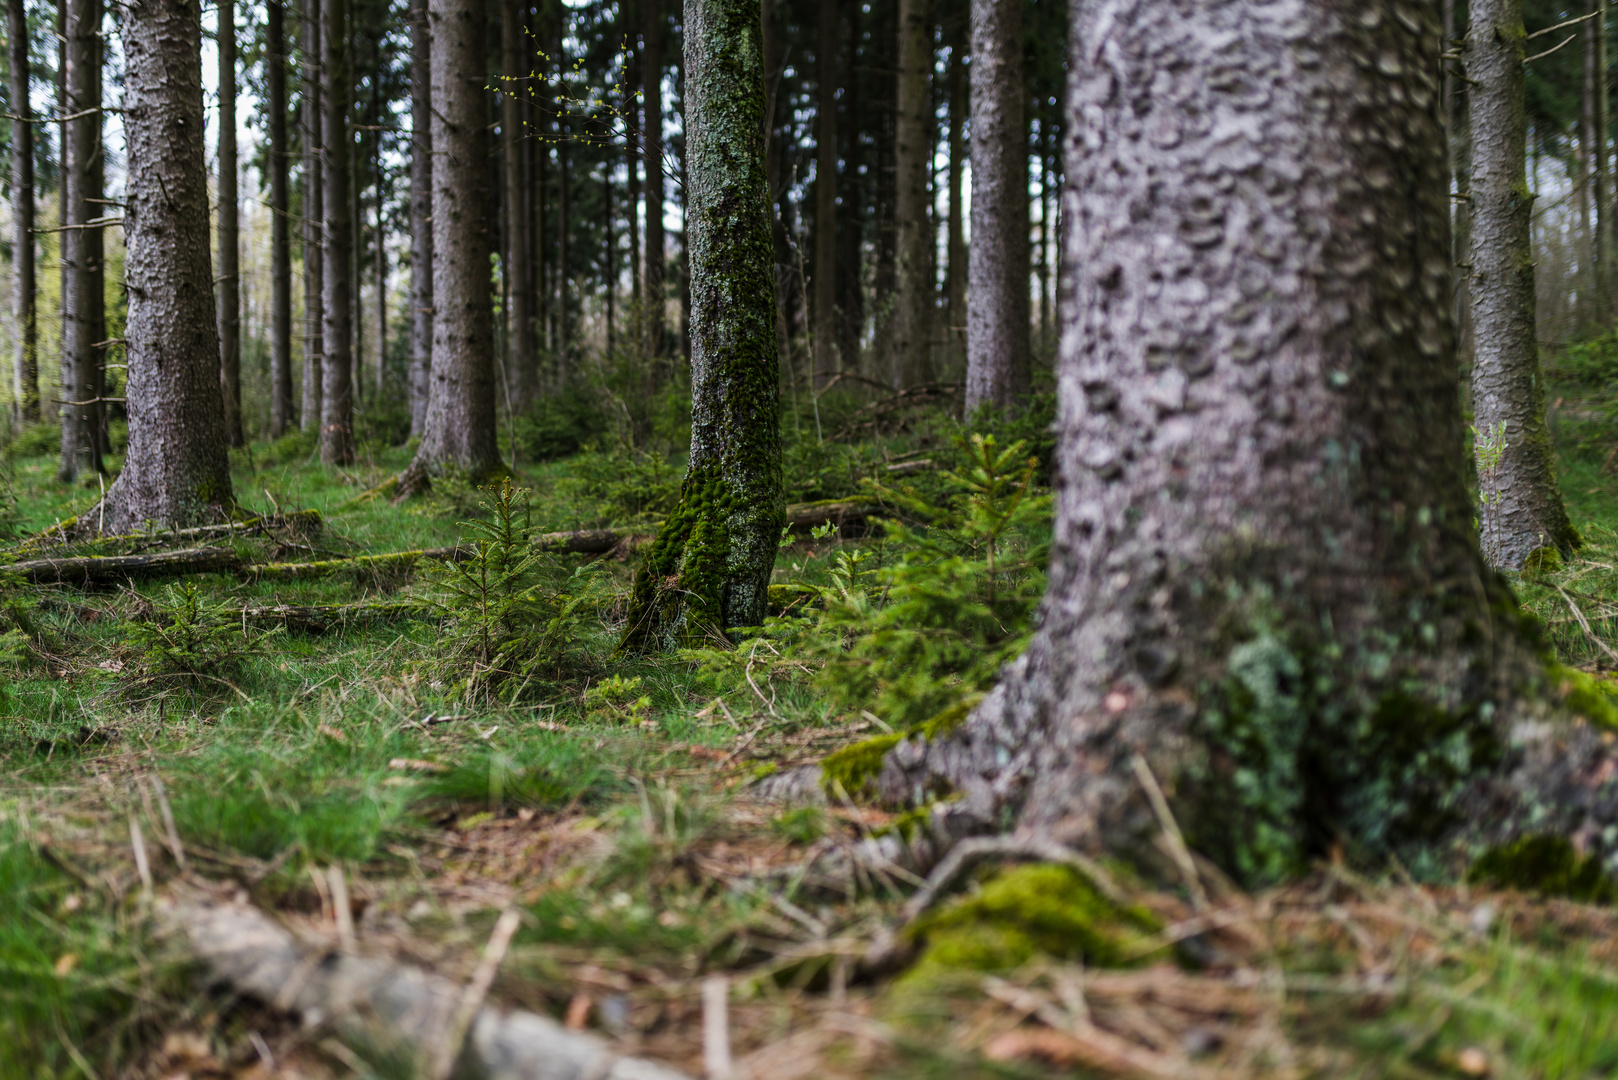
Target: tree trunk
[632, 165]
[520, 330]
[1595, 52]
[275, 62]
[909, 338]
[337, 375]
[1459, 115]
[230, 282]
[1264, 584]
[421, 216]
[851, 229]
[826, 360]
[82, 246]
[955, 250]
[652, 294]
[314, 216]
[177, 470]
[26, 366]
[997, 293]
[1522, 502]
[460, 423]
[709, 569]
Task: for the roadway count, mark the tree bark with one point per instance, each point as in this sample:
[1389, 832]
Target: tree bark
[82, 246]
[709, 569]
[230, 282]
[421, 216]
[275, 62]
[826, 359]
[1522, 502]
[955, 249]
[26, 363]
[1264, 583]
[1594, 32]
[337, 374]
[997, 294]
[460, 422]
[314, 214]
[909, 339]
[654, 322]
[177, 469]
[520, 330]
[850, 271]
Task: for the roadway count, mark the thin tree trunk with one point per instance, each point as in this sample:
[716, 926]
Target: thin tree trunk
[177, 470]
[997, 301]
[26, 364]
[460, 426]
[82, 246]
[421, 216]
[1522, 501]
[826, 359]
[520, 329]
[1229, 399]
[275, 61]
[1458, 115]
[709, 569]
[381, 272]
[610, 255]
[955, 257]
[314, 223]
[850, 273]
[909, 339]
[1595, 35]
[230, 282]
[632, 165]
[337, 387]
[652, 292]
[564, 281]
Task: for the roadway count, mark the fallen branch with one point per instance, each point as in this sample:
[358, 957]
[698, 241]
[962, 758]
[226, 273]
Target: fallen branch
[318, 618]
[298, 521]
[104, 569]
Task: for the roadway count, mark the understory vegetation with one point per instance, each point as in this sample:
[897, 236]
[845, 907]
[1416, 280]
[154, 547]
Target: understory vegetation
[452, 737]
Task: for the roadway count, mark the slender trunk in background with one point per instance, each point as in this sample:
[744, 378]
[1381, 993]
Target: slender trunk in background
[25, 369]
[314, 223]
[82, 246]
[609, 267]
[275, 61]
[381, 267]
[1595, 32]
[851, 228]
[337, 380]
[632, 165]
[177, 470]
[564, 281]
[355, 146]
[709, 569]
[230, 282]
[421, 216]
[997, 292]
[909, 344]
[1523, 507]
[826, 358]
[460, 428]
[955, 245]
[770, 53]
[520, 327]
[1590, 142]
[652, 292]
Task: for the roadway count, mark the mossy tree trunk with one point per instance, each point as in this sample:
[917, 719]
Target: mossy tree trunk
[1522, 503]
[709, 569]
[177, 470]
[459, 429]
[1264, 576]
[26, 365]
[337, 244]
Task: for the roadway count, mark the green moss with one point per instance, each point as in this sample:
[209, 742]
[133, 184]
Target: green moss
[949, 719]
[1024, 912]
[1542, 560]
[1548, 865]
[855, 766]
[1585, 695]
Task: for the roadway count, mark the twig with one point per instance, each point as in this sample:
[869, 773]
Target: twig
[716, 1027]
[173, 834]
[1584, 625]
[1558, 26]
[1547, 52]
[473, 995]
[1171, 833]
[142, 867]
[341, 912]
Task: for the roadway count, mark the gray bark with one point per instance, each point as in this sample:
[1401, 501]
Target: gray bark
[1522, 507]
[1264, 577]
[826, 360]
[997, 311]
[1594, 33]
[421, 215]
[177, 470]
[653, 318]
[955, 246]
[909, 338]
[337, 367]
[230, 282]
[25, 369]
[523, 358]
[82, 246]
[314, 210]
[275, 61]
[460, 424]
[709, 569]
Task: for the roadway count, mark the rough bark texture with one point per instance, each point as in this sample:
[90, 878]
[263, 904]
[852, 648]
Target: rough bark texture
[955, 243]
[522, 359]
[314, 208]
[826, 359]
[275, 61]
[460, 424]
[1593, 138]
[25, 370]
[909, 335]
[997, 297]
[82, 245]
[337, 366]
[230, 281]
[421, 215]
[709, 569]
[177, 470]
[1522, 507]
[653, 320]
[1264, 577]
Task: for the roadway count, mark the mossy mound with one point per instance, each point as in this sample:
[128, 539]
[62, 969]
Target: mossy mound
[1589, 696]
[1042, 909]
[855, 766]
[1547, 865]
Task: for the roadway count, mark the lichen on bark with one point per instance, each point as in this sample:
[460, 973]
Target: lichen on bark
[709, 569]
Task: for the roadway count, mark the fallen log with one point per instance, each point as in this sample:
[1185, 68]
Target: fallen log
[580, 542]
[302, 522]
[104, 569]
[319, 618]
[376, 1002]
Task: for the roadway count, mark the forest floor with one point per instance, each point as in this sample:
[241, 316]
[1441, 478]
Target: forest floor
[171, 738]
